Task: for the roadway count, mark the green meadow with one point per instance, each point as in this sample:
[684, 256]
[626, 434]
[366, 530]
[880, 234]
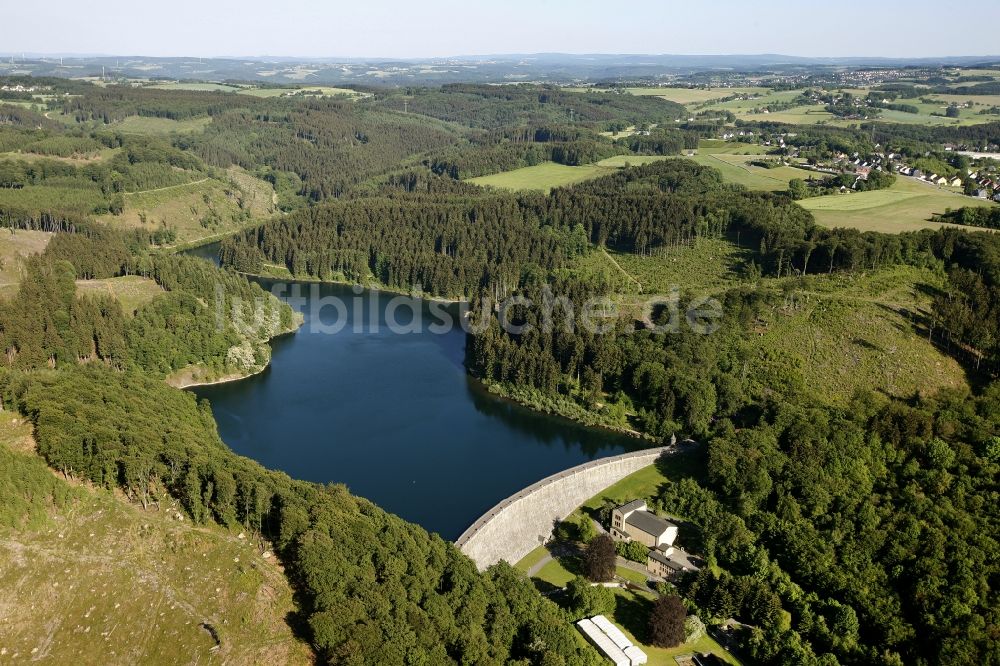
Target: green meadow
[542, 177]
[908, 205]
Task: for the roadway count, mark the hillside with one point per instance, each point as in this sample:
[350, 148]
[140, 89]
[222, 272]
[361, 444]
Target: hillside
[108, 581]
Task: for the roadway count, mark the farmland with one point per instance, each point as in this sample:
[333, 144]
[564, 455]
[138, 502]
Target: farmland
[259, 91]
[694, 95]
[738, 169]
[906, 206]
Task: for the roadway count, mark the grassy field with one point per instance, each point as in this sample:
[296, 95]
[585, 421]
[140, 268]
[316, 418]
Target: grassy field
[906, 206]
[532, 558]
[324, 91]
[737, 169]
[13, 248]
[184, 207]
[556, 574]
[542, 177]
[619, 161]
[834, 335]
[642, 484]
[720, 147]
[149, 125]
[694, 95]
[132, 291]
[197, 86]
[104, 581]
[817, 114]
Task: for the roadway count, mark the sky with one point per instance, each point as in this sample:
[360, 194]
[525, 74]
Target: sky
[435, 28]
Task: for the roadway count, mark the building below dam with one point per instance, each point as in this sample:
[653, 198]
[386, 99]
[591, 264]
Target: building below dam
[522, 522]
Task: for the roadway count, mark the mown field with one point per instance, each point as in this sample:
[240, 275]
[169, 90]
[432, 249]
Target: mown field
[906, 206]
[739, 170]
[100, 580]
[619, 161]
[694, 95]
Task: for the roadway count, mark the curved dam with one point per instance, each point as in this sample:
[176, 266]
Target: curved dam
[522, 522]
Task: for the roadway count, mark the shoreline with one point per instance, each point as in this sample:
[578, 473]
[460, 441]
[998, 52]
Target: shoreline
[492, 389]
[193, 245]
[229, 379]
[498, 392]
[348, 283]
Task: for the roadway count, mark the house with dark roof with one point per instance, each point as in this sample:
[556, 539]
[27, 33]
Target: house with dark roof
[634, 522]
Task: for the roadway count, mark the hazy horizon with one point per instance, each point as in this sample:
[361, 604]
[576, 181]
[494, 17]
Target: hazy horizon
[511, 54]
[392, 29]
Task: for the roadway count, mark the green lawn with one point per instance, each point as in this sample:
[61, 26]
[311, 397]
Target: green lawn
[532, 558]
[555, 573]
[906, 206]
[631, 576]
[642, 484]
[718, 146]
[631, 615]
[542, 177]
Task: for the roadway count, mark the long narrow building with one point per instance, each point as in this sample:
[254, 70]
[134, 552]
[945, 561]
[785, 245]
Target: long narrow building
[611, 641]
[604, 645]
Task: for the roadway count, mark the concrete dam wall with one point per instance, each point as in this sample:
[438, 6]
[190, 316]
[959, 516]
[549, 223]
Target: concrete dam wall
[522, 522]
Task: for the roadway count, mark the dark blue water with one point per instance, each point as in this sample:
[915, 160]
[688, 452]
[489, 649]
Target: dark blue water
[396, 418]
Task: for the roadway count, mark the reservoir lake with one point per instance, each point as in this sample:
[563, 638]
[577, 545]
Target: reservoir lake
[394, 416]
